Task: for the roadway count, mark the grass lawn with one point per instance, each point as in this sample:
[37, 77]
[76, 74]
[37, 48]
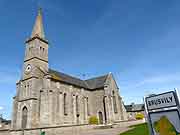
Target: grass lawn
[141, 129]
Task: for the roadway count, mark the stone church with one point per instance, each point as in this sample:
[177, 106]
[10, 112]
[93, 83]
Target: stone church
[48, 98]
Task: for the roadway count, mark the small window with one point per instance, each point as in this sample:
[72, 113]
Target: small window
[88, 107]
[77, 105]
[65, 104]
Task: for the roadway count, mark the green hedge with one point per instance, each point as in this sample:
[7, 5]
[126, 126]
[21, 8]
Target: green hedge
[139, 116]
[93, 120]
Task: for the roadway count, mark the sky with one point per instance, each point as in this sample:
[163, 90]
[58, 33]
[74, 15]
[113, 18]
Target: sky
[137, 40]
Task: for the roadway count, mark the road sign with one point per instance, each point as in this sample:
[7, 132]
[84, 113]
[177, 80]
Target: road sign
[163, 113]
[161, 101]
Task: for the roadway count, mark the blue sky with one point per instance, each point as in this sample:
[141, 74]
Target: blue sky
[137, 40]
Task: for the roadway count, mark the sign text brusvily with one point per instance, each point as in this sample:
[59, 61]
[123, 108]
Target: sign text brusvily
[161, 101]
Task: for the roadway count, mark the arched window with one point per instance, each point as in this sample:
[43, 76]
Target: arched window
[24, 117]
[77, 105]
[88, 106]
[40, 101]
[65, 104]
[114, 102]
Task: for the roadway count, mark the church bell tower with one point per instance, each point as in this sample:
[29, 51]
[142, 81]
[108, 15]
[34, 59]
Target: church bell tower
[36, 54]
[26, 102]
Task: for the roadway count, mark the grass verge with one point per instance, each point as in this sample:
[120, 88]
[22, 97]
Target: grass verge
[140, 129]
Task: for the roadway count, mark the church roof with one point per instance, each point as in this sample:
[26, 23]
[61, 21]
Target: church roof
[91, 84]
[97, 82]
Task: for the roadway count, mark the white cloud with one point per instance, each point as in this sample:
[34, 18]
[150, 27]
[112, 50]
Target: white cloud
[155, 80]
[149, 85]
[159, 79]
[1, 108]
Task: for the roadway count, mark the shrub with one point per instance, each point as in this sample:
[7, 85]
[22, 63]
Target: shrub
[139, 116]
[93, 120]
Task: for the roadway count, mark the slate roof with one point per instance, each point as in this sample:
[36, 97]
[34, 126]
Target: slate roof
[2, 120]
[134, 107]
[91, 84]
[95, 83]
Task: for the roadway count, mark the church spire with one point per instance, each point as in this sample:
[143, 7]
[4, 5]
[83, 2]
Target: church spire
[38, 30]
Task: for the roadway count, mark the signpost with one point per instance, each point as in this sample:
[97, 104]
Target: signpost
[163, 113]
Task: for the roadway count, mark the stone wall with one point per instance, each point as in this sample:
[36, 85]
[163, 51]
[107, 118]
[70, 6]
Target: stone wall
[55, 110]
[96, 102]
[55, 104]
[4, 132]
[117, 109]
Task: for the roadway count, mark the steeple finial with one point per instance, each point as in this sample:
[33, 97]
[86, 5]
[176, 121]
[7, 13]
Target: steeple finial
[38, 29]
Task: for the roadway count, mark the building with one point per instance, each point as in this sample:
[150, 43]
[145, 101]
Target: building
[4, 124]
[48, 98]
[134, 109]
